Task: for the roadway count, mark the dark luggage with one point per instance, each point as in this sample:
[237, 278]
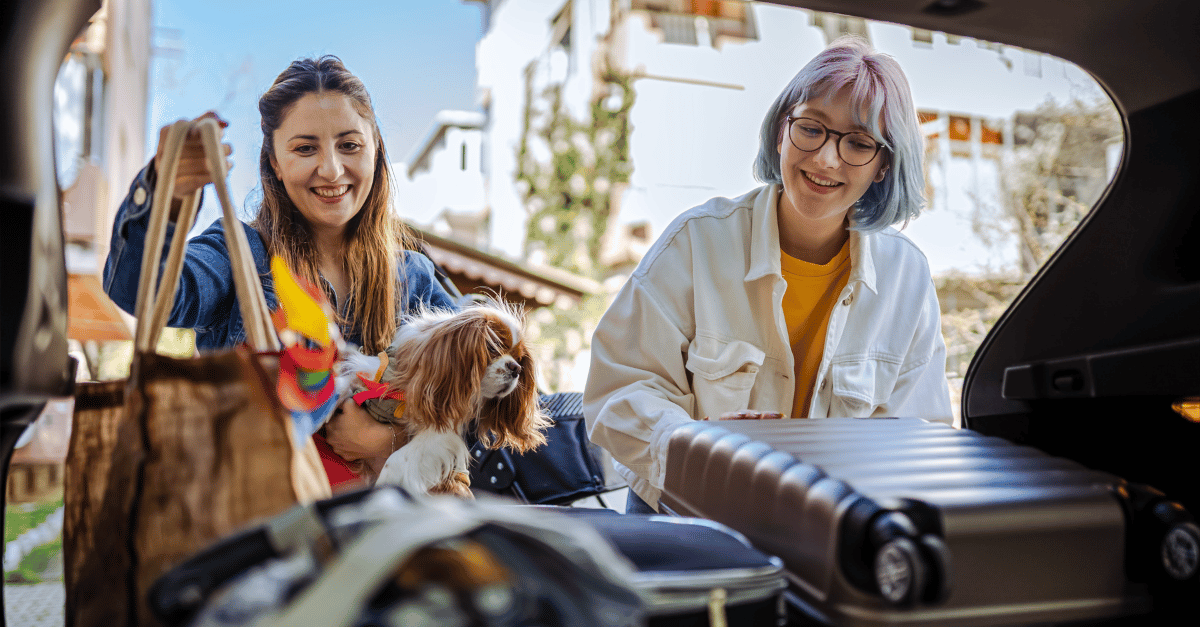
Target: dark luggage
[567, 469]
[565, 566]
[377, 558]
[884, 521]
[692, 572]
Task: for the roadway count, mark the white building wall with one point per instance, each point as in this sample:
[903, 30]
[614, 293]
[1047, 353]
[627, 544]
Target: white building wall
[127, 59]
[699, 108]
[112, 57]
[416, 201]
[517, 33]
[589, 19]
[442, 181]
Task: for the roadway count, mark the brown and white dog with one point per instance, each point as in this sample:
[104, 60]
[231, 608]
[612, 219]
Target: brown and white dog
[453, 370]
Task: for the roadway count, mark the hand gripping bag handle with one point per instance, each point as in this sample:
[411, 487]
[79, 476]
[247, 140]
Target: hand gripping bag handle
[153, 306]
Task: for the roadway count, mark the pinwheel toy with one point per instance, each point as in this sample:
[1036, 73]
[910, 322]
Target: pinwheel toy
[311, 341]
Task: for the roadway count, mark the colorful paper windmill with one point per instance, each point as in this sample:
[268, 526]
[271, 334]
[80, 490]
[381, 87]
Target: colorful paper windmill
[310, 340]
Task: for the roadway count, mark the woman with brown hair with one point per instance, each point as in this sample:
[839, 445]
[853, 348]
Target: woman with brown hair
[326, 192]
[326, 210]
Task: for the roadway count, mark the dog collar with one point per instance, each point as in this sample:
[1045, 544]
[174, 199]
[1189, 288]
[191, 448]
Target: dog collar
[376, 390]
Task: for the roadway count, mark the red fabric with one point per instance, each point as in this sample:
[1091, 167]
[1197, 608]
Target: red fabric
[375, 389]
[341, 476]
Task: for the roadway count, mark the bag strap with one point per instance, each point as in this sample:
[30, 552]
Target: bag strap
[337, 597]
[154, 305]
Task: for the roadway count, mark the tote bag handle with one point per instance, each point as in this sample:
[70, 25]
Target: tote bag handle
[154, 305]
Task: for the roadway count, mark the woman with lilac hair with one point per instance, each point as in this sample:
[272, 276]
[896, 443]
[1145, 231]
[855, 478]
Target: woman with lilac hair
[797, 299]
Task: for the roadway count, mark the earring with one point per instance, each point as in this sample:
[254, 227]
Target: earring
[393, 426]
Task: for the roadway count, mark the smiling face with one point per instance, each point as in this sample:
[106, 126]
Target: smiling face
[819, 189]
[324, 152]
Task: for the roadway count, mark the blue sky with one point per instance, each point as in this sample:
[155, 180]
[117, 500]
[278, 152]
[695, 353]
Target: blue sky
[416, 57]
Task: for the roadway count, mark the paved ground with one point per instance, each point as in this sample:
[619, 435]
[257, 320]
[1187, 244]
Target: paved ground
[34, 605]
[38, 604]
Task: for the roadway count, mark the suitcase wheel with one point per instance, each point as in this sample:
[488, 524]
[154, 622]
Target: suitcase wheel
[908, 566]
[1181, 551]
[899, 571]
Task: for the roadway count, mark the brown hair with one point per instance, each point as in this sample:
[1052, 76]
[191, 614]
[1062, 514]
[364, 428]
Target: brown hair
[374, 236]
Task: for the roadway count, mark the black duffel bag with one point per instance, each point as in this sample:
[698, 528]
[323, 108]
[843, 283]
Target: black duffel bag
[568, 468]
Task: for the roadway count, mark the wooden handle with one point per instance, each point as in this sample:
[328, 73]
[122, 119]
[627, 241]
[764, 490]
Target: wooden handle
[154, 305]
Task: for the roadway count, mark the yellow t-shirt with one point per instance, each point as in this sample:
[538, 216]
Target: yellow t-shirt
[812, 291]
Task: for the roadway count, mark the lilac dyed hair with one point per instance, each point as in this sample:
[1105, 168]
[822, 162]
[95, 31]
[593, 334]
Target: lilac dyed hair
[879, 89]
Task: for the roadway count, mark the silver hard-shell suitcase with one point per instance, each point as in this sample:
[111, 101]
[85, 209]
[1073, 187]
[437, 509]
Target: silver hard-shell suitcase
[902, 521]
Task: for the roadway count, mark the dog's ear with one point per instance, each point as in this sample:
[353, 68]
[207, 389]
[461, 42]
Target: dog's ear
[441, 372]
[516, 421]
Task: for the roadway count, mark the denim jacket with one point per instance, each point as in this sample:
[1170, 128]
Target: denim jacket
[698, 331]
[206, 300]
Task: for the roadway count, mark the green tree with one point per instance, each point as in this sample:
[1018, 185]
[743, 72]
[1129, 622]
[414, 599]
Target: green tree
[1056, 172]
[569, 199]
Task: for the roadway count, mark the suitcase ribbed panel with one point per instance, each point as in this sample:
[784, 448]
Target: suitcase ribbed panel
[1030, 537]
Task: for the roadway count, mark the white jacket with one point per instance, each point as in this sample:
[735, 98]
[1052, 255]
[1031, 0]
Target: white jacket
[698, 331]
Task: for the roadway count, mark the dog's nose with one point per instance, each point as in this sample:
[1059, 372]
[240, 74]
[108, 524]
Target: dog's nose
[513, 368]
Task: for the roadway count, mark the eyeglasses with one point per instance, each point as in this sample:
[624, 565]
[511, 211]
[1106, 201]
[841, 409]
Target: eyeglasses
[854, 148]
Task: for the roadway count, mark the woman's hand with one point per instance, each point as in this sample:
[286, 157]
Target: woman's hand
[360, 439]
[193, 165]
[750, 414]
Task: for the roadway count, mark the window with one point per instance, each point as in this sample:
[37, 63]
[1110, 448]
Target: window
[78, 112]
[834, 25]
[700, 22]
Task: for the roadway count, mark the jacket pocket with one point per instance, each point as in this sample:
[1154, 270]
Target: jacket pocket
[723, 374]
[861, 386]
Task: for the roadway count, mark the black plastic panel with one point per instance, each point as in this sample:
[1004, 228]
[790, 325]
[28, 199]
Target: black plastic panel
[1125, 288]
